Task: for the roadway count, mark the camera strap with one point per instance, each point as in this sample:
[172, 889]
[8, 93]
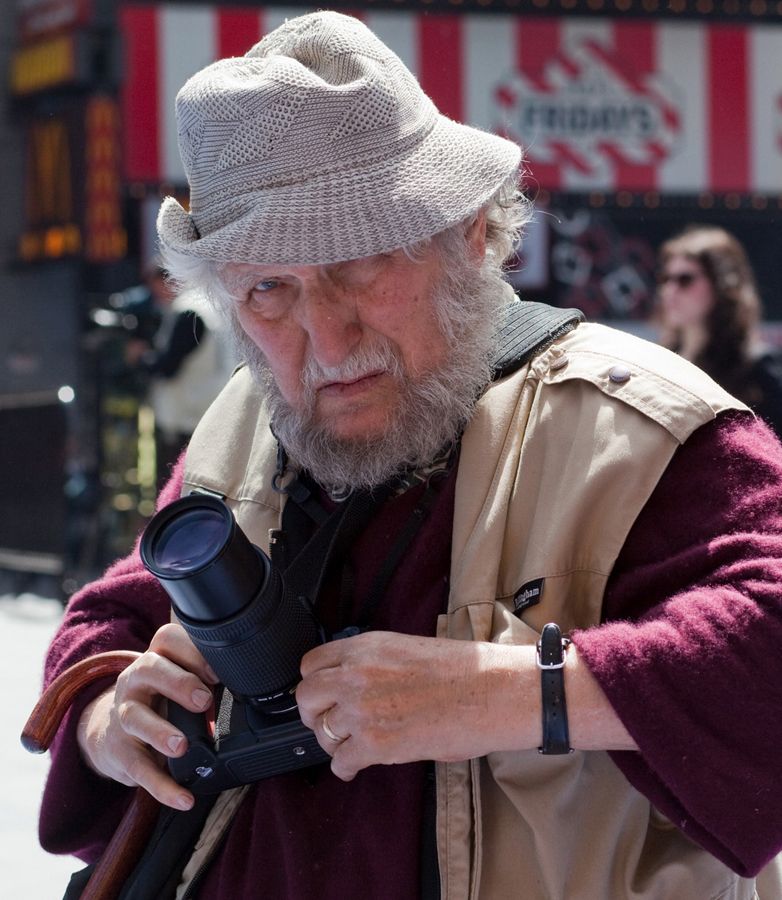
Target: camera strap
[304, 573]
[305, 557]
[528, 328]
[404, 539]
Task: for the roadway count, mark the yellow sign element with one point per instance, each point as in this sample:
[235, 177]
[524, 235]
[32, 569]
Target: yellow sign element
[49, 196]
[105, 236]
[43, 65]
[50, 243]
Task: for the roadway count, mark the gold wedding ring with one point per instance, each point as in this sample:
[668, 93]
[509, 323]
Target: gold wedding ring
[324, 722]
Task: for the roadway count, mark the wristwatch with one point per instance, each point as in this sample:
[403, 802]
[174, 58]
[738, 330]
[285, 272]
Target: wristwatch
[550, 657]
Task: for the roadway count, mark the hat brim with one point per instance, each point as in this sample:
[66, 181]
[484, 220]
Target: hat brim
[330, 218]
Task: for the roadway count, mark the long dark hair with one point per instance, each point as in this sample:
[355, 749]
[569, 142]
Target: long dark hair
[737, 309]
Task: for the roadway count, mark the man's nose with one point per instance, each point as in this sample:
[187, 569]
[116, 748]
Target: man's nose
[332, 325]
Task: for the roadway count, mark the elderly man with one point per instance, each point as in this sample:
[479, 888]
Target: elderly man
[502, 472]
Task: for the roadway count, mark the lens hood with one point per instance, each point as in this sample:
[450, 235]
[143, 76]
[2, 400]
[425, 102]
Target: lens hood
[205, 562]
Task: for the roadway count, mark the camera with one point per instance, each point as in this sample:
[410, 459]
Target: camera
[234, 606]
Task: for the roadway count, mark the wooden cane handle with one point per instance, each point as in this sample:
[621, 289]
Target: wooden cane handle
[130, 838]
[43, 722]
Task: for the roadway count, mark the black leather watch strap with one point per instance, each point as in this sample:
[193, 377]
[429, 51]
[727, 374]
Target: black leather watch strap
[551, 662]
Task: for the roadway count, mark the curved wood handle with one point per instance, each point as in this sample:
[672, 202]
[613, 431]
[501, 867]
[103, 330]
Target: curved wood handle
[43, 722]
[129, 840]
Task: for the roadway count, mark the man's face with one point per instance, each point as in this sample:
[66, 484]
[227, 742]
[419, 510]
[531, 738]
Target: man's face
[339, 339]
[372, 366]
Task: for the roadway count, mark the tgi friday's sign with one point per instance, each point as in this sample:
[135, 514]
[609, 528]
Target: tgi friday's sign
[640, 105]
[596, 104]
[590, 112]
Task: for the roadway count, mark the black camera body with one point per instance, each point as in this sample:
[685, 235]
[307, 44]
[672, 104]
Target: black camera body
[254, 747]
[233, 604]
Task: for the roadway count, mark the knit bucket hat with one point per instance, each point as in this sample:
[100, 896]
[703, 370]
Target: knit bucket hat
[319, 146]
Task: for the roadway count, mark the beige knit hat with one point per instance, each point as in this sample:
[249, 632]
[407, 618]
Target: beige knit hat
[319, 146]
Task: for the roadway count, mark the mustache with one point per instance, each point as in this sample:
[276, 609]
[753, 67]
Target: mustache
[381, 355]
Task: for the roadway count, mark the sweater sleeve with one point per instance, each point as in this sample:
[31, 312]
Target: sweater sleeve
[80, 810]
[689, 650]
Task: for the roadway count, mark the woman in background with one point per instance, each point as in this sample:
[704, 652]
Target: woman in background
[709, 311]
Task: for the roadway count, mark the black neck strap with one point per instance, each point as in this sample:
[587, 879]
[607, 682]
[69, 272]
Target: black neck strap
[305, 556]
[305, 559]
[528, 328]
[403, 540]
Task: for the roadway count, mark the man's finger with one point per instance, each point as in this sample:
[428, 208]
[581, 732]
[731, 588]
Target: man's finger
[173, 642]
[324, 656]
[154, 675]
[141, 722]
[342, 765]
[156, 781]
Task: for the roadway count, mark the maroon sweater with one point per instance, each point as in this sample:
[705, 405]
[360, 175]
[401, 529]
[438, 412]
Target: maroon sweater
[693, 615]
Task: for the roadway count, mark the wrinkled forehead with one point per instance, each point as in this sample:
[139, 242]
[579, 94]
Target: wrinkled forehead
[397, 270]
[240, 271]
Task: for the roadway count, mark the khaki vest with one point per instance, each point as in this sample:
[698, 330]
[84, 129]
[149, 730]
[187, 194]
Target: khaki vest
[556, 464]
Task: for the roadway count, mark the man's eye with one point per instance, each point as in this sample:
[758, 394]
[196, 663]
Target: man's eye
[268, 298]
[268, 284]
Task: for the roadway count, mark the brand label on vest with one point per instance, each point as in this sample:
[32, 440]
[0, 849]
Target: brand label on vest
[527, 595]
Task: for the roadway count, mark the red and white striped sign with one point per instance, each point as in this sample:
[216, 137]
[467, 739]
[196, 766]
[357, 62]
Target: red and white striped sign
[678, 107]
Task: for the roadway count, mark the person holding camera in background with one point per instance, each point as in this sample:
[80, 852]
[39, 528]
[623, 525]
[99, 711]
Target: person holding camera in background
[186, 364]
[561, 545]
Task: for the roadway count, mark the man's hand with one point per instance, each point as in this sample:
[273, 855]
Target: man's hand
[393, 698]
[121, 734]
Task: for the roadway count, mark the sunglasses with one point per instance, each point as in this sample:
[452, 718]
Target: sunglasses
[682, 280]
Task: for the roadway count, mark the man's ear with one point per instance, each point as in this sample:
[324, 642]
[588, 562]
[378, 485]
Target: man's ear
[476, 236]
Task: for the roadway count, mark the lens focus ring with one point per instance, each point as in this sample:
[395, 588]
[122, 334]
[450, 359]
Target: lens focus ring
[258, 652]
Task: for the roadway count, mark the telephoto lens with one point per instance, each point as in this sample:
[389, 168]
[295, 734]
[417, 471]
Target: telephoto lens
[230, 600]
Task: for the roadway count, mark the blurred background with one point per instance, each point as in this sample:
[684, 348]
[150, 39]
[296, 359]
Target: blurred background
[637, 117]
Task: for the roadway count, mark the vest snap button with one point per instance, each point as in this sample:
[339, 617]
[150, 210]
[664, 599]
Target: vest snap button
[559, 363]
[619, 374]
